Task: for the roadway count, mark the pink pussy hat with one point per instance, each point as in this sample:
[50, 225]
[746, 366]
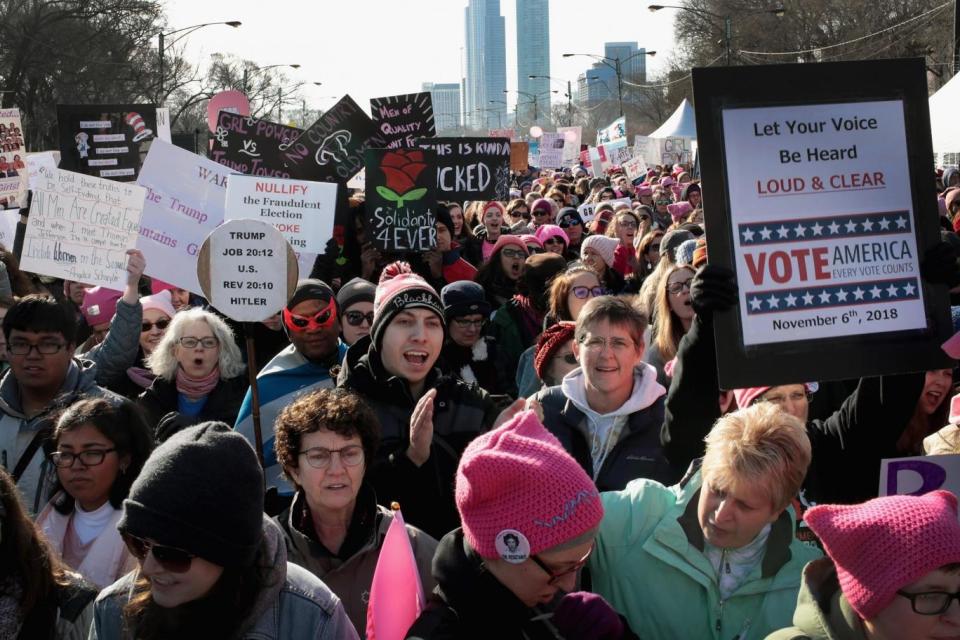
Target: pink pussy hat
[520, 493]
[99, 305]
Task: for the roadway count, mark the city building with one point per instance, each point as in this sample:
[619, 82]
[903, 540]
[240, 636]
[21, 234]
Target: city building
[599, 82]
[446, 104]
[485, 104]
[533, 59]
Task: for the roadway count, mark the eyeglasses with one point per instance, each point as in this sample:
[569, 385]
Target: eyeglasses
[161, 324]
[627, 223]
[781, 399]
[170, 558]
[598, 344]
[356, 318]
[557, 577]
[321, 320]
[190, 342]
[88, 458]
[663, 203]
[44, 348]
[676, 288]
[320, 457]
[930, 603]
[464, 323]
[534, 250]
[588, 292]
[513, 253]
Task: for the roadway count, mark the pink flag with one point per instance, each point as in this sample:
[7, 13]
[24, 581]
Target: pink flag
[396, 595]
[952, 346]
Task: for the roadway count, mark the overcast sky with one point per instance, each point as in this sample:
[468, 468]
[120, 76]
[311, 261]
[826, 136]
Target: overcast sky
[371, 48]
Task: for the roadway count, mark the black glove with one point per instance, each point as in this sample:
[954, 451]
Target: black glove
[714, 288]
[939, 265]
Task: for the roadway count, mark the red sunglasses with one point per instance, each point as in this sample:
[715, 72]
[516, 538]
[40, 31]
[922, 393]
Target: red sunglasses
[322, 320]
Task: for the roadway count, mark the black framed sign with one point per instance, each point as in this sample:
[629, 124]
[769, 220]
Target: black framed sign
[821, 200]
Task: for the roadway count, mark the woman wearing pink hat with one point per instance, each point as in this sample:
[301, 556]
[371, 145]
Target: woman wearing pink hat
[158, 312]
[491, 227]
[500, 275]
[893, 572]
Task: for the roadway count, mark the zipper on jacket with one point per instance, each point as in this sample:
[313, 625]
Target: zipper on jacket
[720, 569]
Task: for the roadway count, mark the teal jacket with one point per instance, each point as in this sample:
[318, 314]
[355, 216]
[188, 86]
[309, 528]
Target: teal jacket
[649, 565]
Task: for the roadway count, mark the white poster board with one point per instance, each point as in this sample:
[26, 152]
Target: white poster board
[571, 148]
[301, 210]
[8, 227]
[823, 220]
[185, 200]
[613, 135]
[551, 150]
[80, 228]
[636, 167]
[37, 160]
[919, 475]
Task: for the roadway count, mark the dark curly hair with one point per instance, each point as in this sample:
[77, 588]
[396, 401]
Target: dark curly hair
[338, 410]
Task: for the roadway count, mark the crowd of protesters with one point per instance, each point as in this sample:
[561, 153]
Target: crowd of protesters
[539, 395]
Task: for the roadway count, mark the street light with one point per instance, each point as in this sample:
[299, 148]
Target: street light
[191, 29]
[616, 66]
[534, 98]
[568, 95]
[727, 24]
[497, 111]
[247, 69]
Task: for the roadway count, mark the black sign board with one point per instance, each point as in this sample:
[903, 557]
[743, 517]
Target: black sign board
[106, 141]
[332, 149]
[821, 202]
[402, 119]
[401, 198]
[251, 146]
[471, 168]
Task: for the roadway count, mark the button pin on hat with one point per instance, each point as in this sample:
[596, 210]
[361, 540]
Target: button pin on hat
[512, 546]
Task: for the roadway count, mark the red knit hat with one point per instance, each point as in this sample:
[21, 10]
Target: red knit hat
[519, 492]
[884, 544]
[548, 342]
[505, 240]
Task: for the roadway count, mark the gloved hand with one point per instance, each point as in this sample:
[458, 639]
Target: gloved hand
[586, 615]
[939, 265]
[714, 288]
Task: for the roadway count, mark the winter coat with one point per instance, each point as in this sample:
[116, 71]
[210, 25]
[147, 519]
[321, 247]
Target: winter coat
[17, 431]
[161, 399]
[649, 564]
[349, 573]
[455, 267]
[461, 412]
[107, 559]
[847, 447]
[292, 604]
[823, 612]
[637, 453]
[118, 351]
[513, 333]
[476, 365]
[70, 608]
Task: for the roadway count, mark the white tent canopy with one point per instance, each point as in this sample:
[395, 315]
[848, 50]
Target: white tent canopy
[681, 124]
[945, 117]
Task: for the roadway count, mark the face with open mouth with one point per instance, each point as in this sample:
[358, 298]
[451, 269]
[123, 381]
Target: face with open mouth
[936, 389]
[492, 220]
[412, 343]
[511, 260]
[678, 293]
[199, 361]
[335, 487]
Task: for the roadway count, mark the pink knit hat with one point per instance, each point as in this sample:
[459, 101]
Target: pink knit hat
[543, 205]
[667, 181]
[520, 493]
[547, 231]
[601, 244]
[884, 544]
[644, 191]
[679, 210]
[529, 239]
[156, 286]
[99, 305]
[496, 204]
[162, 301]
[954, 417]
[505, 240]
[745, 397]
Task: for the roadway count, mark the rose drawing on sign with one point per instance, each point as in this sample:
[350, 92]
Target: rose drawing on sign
[401, 169]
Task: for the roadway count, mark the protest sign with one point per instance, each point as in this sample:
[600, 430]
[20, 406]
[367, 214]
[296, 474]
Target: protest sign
[823, 211]
[509, 134]
[332, 149]
[617, 155]
[13, 167]
[36, 161]
[674, 151]
[401, 198]
[519, 156]
[635, 167]
[80, 228]
[918, 475]
[107, 141]
[614, 135]
[163, 124]
[8, 227]
[596, 161]
[571, 147]
[551, 150]
[250, 145]
[471, 168]
[586, 212]
[643, 147]
[232, 101]
[302, 211]
[401, 120]
[184, 203]
[358, 181]
[533, 153]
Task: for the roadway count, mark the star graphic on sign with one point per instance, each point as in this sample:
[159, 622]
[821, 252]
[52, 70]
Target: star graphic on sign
[834, 227]
[875, 292]
[748, 235]
[884, 224]
[892, 291]
[783, 231]
[824, 297]
[817, 229]
[901, 222]
[774, 302]
[755, 304]
[807, 298]
[800, 230]
[765, 234]
[851, 227]
[791, 300]
[867, 224]
[909, 289]
[858, 293]
[842, 295]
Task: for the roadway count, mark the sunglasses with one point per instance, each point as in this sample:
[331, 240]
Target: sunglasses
[170, 558]
[356, 318]
[322, 320]
[159, 324]
[553, 240]
[569, 223]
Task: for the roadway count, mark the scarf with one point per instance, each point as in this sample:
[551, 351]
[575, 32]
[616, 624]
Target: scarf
[196, 388]
[141, 377]
[532, 319]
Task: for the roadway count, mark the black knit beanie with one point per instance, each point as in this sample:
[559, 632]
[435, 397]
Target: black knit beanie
[200, 491]
[356, 290]
[401, 289]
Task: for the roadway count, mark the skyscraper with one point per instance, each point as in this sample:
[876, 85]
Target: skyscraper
[599, 82]
[486, 55]
[533, 59]
[446, 104]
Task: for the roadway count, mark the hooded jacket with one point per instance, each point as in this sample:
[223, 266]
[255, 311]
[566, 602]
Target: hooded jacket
[631, 434]
[161, 399]
[461, 412]
[651, 530]
[822, 613]
[292, 603]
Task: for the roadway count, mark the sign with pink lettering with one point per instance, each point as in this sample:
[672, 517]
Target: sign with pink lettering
[401, 120]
